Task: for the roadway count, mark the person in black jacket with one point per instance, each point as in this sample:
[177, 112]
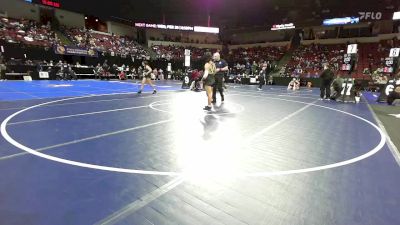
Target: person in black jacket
[221, 69]
[337, 87]
[106, 70]
[326, 80]
[262, 78]
[3, 69]
[71, 73]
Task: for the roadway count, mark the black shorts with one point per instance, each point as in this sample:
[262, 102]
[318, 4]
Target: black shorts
[210, 81]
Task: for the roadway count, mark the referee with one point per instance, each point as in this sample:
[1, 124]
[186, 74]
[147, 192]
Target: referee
[221, 68]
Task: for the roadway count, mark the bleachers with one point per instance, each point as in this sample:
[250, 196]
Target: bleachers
[27, 32]
[310, 59]
[112, 44]
[372, 57]
[307, 60]
[178, 52]
[269, 53]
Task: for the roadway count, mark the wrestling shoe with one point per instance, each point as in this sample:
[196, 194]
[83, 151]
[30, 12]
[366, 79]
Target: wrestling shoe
[207, 108]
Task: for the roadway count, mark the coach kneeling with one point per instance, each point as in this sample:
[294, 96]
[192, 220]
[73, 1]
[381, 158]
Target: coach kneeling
[395, 94]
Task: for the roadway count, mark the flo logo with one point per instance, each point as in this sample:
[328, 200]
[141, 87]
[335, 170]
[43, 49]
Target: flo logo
[370, 15]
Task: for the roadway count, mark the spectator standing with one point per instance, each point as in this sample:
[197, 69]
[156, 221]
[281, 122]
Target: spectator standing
[3, 69]
[326, 80]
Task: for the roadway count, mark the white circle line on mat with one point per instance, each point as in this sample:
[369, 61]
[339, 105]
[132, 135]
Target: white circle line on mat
[4, 133]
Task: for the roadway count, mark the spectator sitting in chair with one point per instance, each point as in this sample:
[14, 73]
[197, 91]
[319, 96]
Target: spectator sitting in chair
[71, 75]
[237, 80]
[97, 71]
[294, 85]
[121, 71]
[270, 80]
[195, 79]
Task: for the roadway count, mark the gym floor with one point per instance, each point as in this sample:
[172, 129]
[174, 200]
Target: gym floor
[94, 152]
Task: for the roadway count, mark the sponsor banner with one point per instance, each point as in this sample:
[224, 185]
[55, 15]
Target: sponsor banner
[283, 26]
[71, 50]
[370, 15]
[214, 30]
[341, 21]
